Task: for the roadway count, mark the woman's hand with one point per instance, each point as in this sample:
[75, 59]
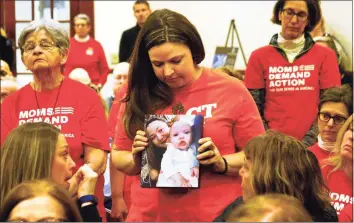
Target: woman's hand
[83, 182]
[210, 155]
[139, 144]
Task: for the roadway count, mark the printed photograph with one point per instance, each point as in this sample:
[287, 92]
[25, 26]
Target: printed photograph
[170, 160]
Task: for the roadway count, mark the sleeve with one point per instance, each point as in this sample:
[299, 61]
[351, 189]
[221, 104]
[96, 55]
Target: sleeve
[123, 48]
[259, 98]
[93, 124]
[254, 74]
[90, 213]
[104, 69]
[7, 122]
[329, 71]
[167, 167]
[248, 122]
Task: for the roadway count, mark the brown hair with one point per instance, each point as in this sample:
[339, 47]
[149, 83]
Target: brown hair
[336, 159]
[270, 208]
[141, 2]
[36, 188]
[341, 94]
[146, 93]
[27, 154]
[314, 13]
[282, 164]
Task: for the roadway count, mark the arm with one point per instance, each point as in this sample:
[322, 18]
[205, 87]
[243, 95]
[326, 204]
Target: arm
[259, 98]
[123, 161]
[119, 207]
[329, 71]
[7, 121]
[96, 159]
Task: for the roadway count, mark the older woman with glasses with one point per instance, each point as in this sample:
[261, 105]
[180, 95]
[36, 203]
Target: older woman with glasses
[336, 105]
[71, 106]
[285, 78]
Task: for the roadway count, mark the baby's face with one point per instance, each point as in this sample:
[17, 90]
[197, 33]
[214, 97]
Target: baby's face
[181, 135]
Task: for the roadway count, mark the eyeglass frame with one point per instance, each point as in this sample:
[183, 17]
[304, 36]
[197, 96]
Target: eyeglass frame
[53, 45]
[295, 13]
[331, 117]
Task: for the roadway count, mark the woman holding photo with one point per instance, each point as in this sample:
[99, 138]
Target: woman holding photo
[165, 78]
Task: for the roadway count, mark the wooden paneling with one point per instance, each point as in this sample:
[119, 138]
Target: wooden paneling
[82, 6]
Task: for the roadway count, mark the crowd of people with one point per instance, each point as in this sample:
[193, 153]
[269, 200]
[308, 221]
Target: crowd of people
[276, 142]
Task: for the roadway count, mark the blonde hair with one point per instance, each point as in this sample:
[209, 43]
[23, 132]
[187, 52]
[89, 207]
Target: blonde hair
[282, 164]
[335, 159]
[36, 188]
[27, 154]
[270, 208]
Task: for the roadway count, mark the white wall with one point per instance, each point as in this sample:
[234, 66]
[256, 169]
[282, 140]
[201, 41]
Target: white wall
[212, 19]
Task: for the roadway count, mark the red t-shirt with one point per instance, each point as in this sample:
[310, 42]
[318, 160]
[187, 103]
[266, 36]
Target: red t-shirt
[347, 214]
[320, 154]
[292, 89]
[78, 113]
[89, 56]
[112, 123]
[341, 187]
[231, 121]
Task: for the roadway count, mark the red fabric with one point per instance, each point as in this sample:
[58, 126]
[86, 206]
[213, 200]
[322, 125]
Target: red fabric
[112, 123]
[320, 154]
[341, 187]
[113, 114]
[230, 121]
[292, 109]
[347, 214]
[89, 56]
[78, 113]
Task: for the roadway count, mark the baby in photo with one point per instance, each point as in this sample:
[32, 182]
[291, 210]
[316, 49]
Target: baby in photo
[179, 165]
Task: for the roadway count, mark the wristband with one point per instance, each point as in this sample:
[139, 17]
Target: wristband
[226, 167]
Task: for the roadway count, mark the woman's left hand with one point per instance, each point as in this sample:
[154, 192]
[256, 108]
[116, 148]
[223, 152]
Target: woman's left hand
[210, 155]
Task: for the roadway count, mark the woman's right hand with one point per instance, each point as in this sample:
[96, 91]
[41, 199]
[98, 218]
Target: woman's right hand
[85, 179]
[139, 144]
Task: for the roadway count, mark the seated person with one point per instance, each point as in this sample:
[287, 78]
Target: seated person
[39, 201]
[336, 105]
[270, 208]
[277, 163]
[338, 168]
[39, 151]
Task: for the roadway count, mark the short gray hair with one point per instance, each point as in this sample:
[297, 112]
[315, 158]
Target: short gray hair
[58, 33]
[84, 17]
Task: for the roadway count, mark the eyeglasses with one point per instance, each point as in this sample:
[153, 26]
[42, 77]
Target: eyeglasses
[338, 120]
[289, 13]
[43, 44]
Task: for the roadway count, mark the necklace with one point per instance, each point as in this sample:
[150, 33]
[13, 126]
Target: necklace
[56, 100]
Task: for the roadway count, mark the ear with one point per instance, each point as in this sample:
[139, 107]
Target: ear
[64, 55]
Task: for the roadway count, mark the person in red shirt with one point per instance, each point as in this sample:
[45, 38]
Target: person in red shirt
[338, 168]
[71, 106]
[336, 105]
[87, 53]
[165, 78]
[285, 77]
[347, 214]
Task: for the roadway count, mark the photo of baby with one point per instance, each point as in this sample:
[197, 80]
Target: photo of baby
[172, 162]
